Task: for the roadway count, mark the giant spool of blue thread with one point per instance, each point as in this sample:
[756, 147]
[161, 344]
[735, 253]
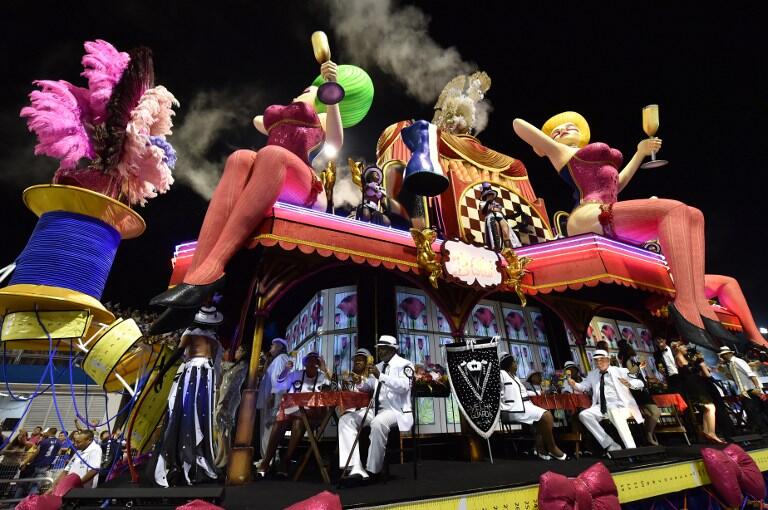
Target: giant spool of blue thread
[64, 269]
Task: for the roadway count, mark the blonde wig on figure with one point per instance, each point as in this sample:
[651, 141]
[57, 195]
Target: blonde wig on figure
[561, 118]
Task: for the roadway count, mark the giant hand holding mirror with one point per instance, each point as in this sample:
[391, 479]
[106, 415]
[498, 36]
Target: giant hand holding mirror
[329, 92]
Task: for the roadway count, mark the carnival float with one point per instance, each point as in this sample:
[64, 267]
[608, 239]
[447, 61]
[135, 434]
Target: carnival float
[450, 244]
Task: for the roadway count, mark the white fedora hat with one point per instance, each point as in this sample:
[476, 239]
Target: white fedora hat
[387, 341]
[209, 316]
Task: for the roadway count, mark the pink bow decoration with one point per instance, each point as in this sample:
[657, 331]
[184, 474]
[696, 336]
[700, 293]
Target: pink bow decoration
[724, 474]
[751, 478]
[323, 501]
[592, 489]
[51, 501]
[199, 504]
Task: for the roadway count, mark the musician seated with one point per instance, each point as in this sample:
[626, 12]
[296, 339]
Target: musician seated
[390, 407]
[354, 380]
[571, 370]
[313, 378]
[611, 399]
[533, 383]
[361, 360]
[516, 407]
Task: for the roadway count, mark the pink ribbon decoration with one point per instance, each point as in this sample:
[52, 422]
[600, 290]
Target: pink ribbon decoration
[592, 489]
[323, 501]
[724, 474]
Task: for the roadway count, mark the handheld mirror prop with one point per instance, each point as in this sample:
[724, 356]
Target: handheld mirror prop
[329, 92]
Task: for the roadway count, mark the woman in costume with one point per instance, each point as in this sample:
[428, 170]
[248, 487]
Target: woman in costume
[374, 197]
[516, 407]
[594, 171]
[498, 234]
[185, 456]
[696, 392]
[233, 375]
[254, 180]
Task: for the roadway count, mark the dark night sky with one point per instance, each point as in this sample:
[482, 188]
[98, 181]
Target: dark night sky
[707, 70]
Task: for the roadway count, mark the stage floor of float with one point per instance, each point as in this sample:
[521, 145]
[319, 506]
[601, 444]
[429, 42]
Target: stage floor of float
[448, 484]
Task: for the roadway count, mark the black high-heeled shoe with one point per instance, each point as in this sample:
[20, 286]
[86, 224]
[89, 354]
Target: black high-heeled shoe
[171, 320]
[717, 330]
[688, 331]
[186, 295]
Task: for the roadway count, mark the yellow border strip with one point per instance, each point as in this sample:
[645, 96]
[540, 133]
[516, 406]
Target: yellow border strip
[632, 485]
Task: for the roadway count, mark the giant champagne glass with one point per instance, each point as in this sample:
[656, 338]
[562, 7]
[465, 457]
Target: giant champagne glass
[329, 92]
[650, 126]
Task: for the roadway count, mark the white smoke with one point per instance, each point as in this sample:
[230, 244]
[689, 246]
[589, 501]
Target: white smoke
[346, 194]
[396, 40]
[208, 116]
[19, 167]
[483, 110]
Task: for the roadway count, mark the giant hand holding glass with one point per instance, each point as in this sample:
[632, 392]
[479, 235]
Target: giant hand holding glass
[650, 126]
[329, 92]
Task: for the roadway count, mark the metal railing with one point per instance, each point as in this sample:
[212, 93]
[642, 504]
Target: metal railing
[9, 483]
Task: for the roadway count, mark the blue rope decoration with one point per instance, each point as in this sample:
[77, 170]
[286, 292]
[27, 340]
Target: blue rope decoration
[68, 250]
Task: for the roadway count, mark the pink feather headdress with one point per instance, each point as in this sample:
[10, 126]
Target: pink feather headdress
[118, 124]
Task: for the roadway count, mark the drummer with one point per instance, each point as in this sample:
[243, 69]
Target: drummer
[314, 377]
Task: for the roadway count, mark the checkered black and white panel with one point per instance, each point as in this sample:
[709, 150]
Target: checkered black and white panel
[530, 229]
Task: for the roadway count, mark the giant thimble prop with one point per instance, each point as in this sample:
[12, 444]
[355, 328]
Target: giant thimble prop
[55, 291]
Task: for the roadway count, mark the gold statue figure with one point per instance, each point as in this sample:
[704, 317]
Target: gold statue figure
[514, 272]
[425, 256]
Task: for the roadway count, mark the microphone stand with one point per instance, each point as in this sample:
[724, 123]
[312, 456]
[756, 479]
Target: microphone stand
[408, 372]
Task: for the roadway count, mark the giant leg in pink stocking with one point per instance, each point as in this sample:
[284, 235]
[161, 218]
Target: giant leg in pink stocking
[668, 221]
[728, 292]
[708, 316]
[250, 186]
[238, 170]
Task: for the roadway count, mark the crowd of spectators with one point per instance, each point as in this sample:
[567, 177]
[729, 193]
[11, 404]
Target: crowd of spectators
[52, 454]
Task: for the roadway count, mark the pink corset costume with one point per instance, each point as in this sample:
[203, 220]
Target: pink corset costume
[593, 174]
[296, 128]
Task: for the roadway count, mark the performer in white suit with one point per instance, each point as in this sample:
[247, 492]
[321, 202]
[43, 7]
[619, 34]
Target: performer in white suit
[516, 407]
[611, 399]
[391, 407]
